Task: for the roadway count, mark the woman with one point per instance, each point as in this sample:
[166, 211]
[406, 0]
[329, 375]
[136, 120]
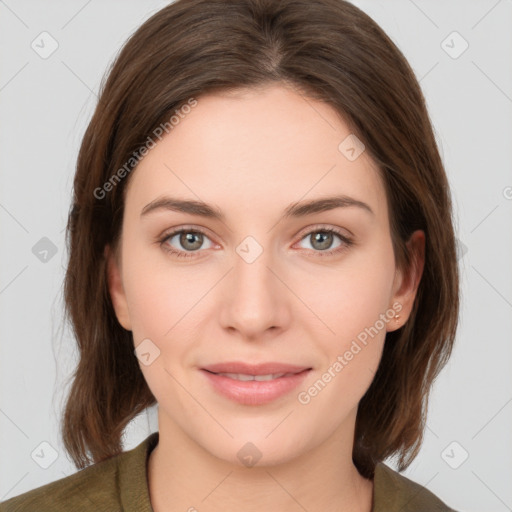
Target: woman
[261, 242]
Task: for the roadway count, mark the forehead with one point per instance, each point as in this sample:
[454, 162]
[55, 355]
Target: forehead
[257, 151]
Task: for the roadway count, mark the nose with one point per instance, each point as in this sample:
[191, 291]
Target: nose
[254, 298]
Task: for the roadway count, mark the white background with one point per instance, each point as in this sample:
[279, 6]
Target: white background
[45, 105]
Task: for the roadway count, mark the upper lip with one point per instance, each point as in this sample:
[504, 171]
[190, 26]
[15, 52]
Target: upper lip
[254, 369]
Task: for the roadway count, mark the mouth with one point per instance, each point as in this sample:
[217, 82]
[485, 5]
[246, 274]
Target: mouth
[248, 377]
[261, 369]
[254, 384]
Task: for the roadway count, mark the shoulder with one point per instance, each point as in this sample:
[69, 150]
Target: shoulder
[92, 488]
[395, 492]
[112, 485]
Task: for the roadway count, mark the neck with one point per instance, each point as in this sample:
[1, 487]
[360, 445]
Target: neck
[182, 475]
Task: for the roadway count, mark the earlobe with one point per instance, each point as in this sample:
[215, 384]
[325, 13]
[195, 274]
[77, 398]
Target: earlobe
[116, 289]
[407, 281]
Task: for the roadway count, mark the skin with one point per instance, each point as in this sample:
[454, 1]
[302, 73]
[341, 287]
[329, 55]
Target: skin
[252, 153]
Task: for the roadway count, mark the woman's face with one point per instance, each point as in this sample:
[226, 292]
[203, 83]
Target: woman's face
[257, 285]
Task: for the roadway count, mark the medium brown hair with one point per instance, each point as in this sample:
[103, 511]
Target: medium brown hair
[327, 50]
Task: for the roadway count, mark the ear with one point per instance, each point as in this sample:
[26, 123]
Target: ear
[116, 289]
[405, 285]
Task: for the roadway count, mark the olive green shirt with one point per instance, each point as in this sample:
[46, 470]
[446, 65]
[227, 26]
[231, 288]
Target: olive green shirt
[120, 484]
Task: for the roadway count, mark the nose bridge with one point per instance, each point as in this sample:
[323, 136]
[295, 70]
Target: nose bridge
[251, 273]
[255, 293]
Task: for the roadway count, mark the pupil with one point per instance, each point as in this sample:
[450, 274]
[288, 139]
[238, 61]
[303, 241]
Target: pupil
[326, 239]
[189, 238]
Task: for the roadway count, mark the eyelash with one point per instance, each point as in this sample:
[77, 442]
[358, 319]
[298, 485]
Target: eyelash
[348, 242]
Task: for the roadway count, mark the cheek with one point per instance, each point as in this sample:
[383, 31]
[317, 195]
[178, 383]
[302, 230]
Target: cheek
[149, 288]
[354, 306]
[166, 303]
[357, 311]
[350, 298]
[165, 307]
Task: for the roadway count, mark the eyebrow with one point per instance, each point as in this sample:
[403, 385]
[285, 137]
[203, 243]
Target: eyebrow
[298, 209]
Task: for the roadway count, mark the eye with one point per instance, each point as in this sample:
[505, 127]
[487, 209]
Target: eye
[190, 241]
[321, 240]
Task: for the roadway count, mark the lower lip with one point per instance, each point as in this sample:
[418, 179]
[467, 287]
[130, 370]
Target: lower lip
[255, 392]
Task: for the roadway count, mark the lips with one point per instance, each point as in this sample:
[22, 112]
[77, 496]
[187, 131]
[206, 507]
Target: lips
[250, 384]
[242, 368]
